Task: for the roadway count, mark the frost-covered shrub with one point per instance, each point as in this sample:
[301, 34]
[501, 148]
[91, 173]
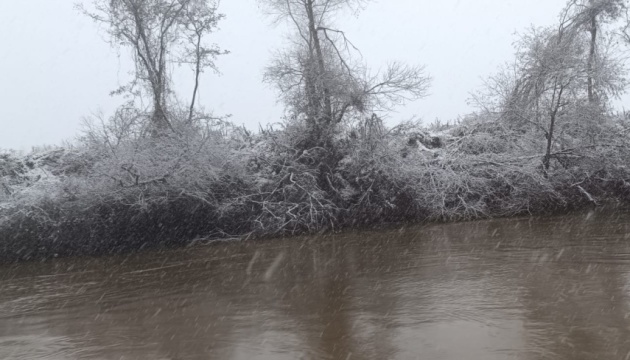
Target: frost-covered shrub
[28, 179]
[142, 191]
[218, 180]
[289, 190]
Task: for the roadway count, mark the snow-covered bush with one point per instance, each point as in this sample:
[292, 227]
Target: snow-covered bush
[211, 179]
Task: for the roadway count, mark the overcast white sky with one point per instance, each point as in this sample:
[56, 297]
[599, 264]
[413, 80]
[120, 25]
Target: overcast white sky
[56, 67]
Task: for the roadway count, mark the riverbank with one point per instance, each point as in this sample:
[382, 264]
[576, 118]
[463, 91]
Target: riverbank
[96, 199]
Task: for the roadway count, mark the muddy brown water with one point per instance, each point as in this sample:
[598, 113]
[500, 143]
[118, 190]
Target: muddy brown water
[528, 288]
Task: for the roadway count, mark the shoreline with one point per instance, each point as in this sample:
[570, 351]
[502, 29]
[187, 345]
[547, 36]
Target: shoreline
[157, 193]
[102, 247]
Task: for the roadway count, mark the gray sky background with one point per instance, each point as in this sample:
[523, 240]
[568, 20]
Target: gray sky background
[56, 66]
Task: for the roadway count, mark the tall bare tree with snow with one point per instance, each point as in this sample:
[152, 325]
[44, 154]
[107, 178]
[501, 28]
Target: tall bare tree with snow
[159, 33]
[320, 80]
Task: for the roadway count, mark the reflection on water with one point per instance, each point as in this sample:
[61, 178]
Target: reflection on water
[540, 288]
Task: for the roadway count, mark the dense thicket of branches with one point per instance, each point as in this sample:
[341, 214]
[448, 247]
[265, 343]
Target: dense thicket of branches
[545, 138]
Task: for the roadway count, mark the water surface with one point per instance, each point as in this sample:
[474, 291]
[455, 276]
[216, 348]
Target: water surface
[529, 288]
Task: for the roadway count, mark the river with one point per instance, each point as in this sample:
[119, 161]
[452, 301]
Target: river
[526, 288]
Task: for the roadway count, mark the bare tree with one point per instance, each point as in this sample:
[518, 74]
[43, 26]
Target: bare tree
[548, 84]
[551, 72]
[160, 32]
[589, 16]
[319, 79]
[201, 20]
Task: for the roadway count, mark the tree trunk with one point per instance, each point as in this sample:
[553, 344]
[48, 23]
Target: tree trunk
[552, 125]
[322, 130]
[591, 55]
[159, 120]
[320, 62]
[547, 159]
[197, 72]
